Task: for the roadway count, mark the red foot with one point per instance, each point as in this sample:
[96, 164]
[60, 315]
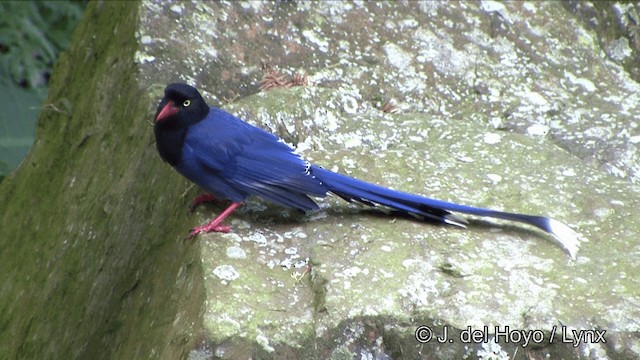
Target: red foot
[214, 225]
[203, 198]
[206, 228]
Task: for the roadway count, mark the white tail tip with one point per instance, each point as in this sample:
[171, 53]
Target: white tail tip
[566, 237]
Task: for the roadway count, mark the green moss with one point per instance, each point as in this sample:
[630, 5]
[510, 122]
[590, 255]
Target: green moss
[86, 268]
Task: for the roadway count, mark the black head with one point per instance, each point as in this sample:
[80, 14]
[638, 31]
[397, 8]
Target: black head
[181, 107]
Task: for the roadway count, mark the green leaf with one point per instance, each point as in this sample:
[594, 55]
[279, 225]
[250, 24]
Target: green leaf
[32, 34]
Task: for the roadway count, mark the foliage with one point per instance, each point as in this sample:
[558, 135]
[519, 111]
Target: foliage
[32, 34]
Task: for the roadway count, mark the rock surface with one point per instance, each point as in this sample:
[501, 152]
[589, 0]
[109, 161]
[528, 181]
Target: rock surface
[514, 106]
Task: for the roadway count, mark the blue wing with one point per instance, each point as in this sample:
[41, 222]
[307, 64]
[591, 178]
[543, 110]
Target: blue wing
[233, 160]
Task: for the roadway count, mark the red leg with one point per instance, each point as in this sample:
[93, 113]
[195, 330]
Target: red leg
[207, 197]
[214, 225]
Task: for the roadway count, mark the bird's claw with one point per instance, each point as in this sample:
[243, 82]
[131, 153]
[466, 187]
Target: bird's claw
[214, 225]
[206, 229]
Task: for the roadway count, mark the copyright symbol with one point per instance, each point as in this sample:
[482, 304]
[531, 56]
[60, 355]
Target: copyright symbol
[423, 334]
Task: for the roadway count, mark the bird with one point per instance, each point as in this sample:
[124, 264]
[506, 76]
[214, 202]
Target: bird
[234, 160]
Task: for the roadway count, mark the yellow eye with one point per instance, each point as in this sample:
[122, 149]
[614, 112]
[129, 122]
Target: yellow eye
[186, 103]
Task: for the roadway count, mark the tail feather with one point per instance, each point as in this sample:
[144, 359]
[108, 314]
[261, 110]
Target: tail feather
[360, 191]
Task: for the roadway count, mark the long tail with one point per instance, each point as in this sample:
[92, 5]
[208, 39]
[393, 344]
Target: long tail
[352, 189]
